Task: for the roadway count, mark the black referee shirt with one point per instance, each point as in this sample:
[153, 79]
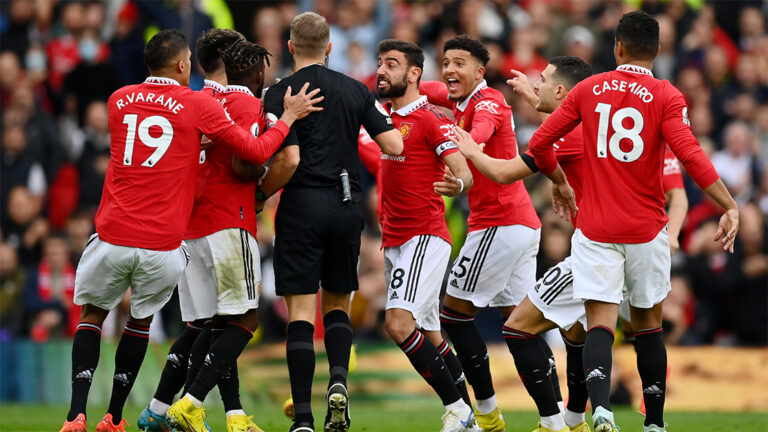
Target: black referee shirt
[328, 139]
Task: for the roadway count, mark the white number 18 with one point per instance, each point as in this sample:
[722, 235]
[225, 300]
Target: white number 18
[620, 132]
[161, 143]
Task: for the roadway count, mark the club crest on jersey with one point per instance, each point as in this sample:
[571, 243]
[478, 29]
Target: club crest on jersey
[405, 129]
[461, 122]
[486, 105]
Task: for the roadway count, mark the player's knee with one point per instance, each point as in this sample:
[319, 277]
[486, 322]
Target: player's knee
[399, 325]
[249, 320]
[93, 314]
[142, 321]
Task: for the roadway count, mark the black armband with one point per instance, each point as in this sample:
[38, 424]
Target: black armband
[528, 160]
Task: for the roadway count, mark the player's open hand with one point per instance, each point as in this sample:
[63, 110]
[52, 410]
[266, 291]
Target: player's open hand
[564, 200]
[467, 146]
[302, 103]
[729, 227]
[450, 186]
[522, 86]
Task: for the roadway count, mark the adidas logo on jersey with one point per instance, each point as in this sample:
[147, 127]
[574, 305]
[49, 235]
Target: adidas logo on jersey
[596, 374]
[653, 390]
[394, 296]
[85, 375]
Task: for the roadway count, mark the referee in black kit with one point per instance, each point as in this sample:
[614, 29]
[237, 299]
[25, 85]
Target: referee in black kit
[320, 217]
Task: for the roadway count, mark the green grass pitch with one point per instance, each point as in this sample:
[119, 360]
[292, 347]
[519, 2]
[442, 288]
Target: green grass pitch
[371, 417]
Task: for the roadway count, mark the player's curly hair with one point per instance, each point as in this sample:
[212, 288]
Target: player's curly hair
[211, 44]
[472, 46]
[243, 59]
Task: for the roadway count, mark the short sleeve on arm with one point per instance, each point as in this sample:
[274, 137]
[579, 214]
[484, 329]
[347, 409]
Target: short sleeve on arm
[375, 117]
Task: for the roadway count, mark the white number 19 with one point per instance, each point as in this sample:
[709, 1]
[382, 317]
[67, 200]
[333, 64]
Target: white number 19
[161, 143]
[620, 132]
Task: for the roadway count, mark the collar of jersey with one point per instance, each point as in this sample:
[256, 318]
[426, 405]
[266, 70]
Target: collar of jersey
[239, 89]
[462, 106]
[634, 69]
[214, 85]
[411, 107]
[161, 81]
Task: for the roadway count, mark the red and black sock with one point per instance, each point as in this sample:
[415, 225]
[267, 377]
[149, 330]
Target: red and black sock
[454, 367]
[652, 365]
[338, 343]
[128, 358]
[229, 388]
[175, 370]
[427, 361]
[553, 378]
[300, 356]
[220, 359]
[470, 350]
[574, 371]
[85, 357]
[598, 360]
[533, 366]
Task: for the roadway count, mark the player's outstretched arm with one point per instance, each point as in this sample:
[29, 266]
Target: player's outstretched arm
[436, 93]
[499, 170]
[390, 142]
[522, 86]
[677, 209]
[457, 178]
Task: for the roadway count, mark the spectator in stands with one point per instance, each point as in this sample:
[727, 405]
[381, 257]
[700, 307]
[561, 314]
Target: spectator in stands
[10, 75]
[750, 324]
[62, 52]
[20, 28]
[127, 46]
[18, 168]
[79, 230]
[50, 290]
[93, 157]
[24, 228]
[13, 279]
[734, 162]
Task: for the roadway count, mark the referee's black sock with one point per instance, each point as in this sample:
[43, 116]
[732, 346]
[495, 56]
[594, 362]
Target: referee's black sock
[221, 357]
[128, 358]
[85, 357]
[197, 354]
[338, 343]
[427, 361]
[553, 368]
[175, 370]
[300, 355]
[652, 365]
[454, 367]
[470, 349]
[597, 366]
[574, 371]
[533, 366]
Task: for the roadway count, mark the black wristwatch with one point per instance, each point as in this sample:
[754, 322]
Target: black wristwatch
[260, 195]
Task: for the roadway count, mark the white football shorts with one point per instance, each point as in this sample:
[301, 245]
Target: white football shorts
[414, 272]
[601, 271]
[553, 296]
[223, 276]
[496, 266]
[106, 271]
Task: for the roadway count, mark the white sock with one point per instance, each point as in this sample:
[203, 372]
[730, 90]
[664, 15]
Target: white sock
[194, 400]
[561, 405]
[235, 412]
[157, 407]
[484, 406]
[573, 418]
[554, 422]
[459, 405]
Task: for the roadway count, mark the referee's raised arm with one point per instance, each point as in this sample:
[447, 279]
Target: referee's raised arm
[320, 217]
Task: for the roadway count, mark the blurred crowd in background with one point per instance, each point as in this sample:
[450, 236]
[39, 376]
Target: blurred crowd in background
[60, 61]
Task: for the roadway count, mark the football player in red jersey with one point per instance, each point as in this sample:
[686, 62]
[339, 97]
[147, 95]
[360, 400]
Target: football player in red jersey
[196, 335]
[627, 115]
[415, 238]
[223, 278]
[497, 263]
[156, 129]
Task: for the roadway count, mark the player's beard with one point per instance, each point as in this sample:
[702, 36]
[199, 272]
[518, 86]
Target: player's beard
[395, 90]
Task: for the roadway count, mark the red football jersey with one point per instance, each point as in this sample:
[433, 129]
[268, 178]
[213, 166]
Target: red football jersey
[627, 115]
[370, 152]
[488, 118]
[409, 204]
[226, 200]
[672, 176]
[155, 130]
[210, 88]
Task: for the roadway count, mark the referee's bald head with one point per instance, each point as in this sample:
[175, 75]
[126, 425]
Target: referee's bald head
[310, 34]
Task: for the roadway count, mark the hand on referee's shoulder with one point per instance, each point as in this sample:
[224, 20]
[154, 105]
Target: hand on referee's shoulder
[301, 104]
